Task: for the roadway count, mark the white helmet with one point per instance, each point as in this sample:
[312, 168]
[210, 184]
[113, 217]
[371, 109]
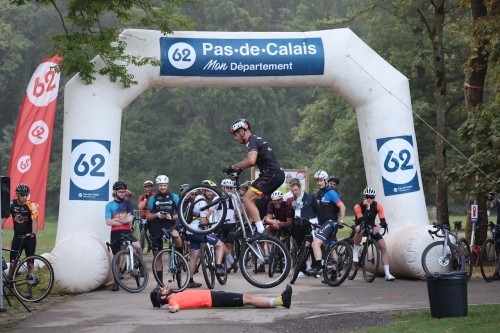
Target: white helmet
[227, 182]
[162, 179]
[369, 191]
[276, 195]
[321, 175]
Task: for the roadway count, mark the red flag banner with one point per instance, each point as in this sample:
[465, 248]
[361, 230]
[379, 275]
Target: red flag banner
[30, 156]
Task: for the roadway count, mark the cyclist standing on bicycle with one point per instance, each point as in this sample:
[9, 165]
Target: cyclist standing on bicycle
[200, 218]
[142, 204]
[162, 212]
[271, 175]
[119, 214]
[330, 206]
[24, 214]
[229, 225]
[366, 211]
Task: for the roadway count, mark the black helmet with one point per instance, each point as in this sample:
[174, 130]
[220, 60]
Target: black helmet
[239, 124]
[119, 185]
[294, 181]
[334, 180]
[155, 296]
[22, 189]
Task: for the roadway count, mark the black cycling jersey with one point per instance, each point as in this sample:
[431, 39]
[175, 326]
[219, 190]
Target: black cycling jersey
[23, 216]
[266, 161]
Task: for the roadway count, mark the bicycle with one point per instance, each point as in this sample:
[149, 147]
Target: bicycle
[129, 270]
[369, 256]
[208, 253]
[174, 267]
[337, 257]
[256, 251]
[464, 247]
[490, 255]
[145, 236]
[276, 256]
[38, 283]
[442, 256]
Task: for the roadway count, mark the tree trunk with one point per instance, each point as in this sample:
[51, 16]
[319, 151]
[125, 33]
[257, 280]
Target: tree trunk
[476, 69]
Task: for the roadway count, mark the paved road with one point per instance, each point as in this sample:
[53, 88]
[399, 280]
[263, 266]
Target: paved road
[105, 311]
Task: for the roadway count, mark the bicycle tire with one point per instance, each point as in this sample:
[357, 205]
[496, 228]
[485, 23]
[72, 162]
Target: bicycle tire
[371, 259]
[293, 252]
[176, 278]
[142, 239]
[489, 261]
[464, 247]
[184, 201]
[222, 278]
[301, 260]
[433, 262]
[355, 265]
[274, 260]
[130, 279]
[207, 266]
[237, 249]
[337, 267]
[258, 280]
[35, 282]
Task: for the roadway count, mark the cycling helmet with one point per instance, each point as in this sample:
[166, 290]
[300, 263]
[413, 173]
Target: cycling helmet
[155, 297]
[128, 194]
[276, 195]
[119, 185]
[184, 187]
[239, 124]
[227, 182]
[162, 179]
[208, 182]
[369, 191]
[321, 175]
[294, 181]
[22, 189]
[147, 183]
[334, 180]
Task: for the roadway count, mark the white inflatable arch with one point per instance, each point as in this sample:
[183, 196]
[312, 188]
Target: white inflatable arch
[333, 58]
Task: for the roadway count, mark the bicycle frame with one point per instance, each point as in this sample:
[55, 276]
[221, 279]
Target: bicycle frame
[444, 259]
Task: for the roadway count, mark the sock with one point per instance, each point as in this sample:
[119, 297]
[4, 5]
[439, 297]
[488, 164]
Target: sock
[230, 259]
[355, 250]
[191, 280]
[386, 270]
[274, 302]
[318, 264]
[160, 275]
[178, 249]
[308, 265]
[218, 266]
[260, 227]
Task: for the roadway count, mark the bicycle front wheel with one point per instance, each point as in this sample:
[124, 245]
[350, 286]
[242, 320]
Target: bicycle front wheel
[215, 217]
[33, 285]
[338, 263]
[299, 263]
[371, 260]
[173, 274]
[489, 261]
[208, 266]
[464, 247]
[130, 273]
[260, 251]
[222, 278]
[435, 260]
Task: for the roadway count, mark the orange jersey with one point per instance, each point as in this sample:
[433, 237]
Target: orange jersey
[358, 210]
[192, 299]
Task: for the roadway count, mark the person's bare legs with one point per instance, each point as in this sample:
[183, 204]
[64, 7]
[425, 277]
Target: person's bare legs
[195, 254]
[219, 252]
[258, 302]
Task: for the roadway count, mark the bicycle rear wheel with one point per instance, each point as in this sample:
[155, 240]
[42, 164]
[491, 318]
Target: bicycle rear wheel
[133, 275]
[222, 278]
[186, 202]
[275, 261]
[207, 266]
[338, 262]
[33, 286]
[174, 275]
[371, 260]
[433, 260]
[301, 260]
[464, 247]
[251, 251]
[489, 261]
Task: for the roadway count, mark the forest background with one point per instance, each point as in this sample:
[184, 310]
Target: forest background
[184, 134]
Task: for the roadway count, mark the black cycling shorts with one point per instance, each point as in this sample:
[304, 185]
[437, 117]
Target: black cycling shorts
[225, 231]
[116, 235]
[375, 237]
[157, 233]
[29, 247]
[196, 240]
[266, 184]
[223, 299]
[326, 232]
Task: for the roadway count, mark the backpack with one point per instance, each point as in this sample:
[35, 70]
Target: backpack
[188, 210]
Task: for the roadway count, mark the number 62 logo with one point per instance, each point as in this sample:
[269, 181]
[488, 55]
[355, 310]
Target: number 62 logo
[396, 157]
[90, 164]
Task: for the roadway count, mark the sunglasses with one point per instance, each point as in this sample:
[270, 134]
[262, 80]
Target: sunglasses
[229, 187]
[369, 197]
